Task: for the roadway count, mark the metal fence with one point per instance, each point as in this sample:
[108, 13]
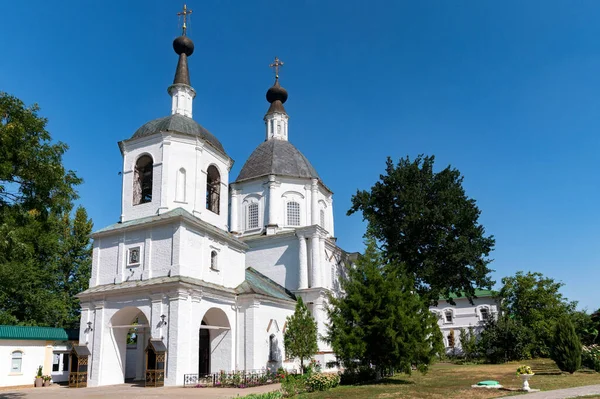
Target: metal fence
[233, 379]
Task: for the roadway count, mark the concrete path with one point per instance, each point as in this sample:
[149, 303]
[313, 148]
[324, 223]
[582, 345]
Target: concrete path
[563, 393]
[130, 391]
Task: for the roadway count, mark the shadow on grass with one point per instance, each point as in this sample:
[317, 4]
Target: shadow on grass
[385, 381]
[394, 381]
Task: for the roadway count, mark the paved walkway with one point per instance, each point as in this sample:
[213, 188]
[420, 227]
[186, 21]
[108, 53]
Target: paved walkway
[563, 393]
[131, 391]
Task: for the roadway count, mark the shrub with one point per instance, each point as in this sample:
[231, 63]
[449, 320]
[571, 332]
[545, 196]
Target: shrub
[358, 375]
[322, 381]
[293, 384]
[590, 357]
[566, 348]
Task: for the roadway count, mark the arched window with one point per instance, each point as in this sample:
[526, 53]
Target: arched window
[293, 213]
[16, 361]
[142, 180]
[273, 348]
[213, 189]
[322, 218]
[252, 216]
[180, 186]
[214, 264]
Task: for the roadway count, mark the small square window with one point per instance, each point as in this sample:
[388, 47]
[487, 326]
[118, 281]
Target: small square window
[134, 256]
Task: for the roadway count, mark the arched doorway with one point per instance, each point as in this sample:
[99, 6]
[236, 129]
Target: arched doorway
[215, 343]
[124, 356]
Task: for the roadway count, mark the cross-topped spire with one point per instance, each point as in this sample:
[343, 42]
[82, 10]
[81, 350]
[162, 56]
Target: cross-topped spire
[185, 13]
[275, 65]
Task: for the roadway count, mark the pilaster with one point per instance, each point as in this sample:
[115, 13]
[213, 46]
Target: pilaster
[164, 184]
[178, 324]
[272, 206]
[314, 199]
[199, 182]
[234, 228]
[303, 263]
[315, 261]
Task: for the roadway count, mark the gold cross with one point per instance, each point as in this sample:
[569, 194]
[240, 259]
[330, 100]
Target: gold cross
[185, 13]
[275, 65]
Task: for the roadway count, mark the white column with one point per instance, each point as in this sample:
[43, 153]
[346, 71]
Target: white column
[303, 264]
[164, 183]
[314, 197]
[198, 183]
[234, 228]
[324, 278]
[272, 202]
[315, 266]
[178, 326]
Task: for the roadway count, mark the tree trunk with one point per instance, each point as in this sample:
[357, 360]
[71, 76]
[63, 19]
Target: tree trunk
[301, 366]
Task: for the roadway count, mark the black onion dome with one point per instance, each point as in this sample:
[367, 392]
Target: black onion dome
[277, 157]
[183, 45]
[276, 92]
[178, 124]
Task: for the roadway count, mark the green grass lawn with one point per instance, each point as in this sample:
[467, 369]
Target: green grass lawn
[446, 380]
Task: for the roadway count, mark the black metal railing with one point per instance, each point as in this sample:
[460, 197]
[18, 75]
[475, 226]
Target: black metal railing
[233, 379]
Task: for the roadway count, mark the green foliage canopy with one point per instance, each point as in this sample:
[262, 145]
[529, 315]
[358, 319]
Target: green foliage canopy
[44, 250]
[425, 221]
[535, 302]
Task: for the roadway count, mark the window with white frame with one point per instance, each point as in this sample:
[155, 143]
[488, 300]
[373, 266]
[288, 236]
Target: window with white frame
[293, 213]
[448, 316]
[16, 362]
[252, 216]
[214, 263]
[484, 313]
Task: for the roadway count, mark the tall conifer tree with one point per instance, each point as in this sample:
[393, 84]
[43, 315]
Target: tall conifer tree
[300, 336]
[380, 320]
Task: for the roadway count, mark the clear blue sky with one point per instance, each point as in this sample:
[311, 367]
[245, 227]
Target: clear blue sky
[508, 92]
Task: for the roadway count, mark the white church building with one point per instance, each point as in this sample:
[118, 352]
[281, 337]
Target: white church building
[203, 266]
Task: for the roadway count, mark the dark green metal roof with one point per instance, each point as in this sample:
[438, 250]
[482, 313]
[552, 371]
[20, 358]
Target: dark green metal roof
[258, 283]
[33, 333]
[479, 293]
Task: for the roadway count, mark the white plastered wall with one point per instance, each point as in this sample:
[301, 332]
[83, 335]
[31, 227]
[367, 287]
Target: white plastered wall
[34, 355]
[177, 248]
[258, 319]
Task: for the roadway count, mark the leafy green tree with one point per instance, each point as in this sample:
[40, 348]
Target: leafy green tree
[381, 320]
[535, 302]
[300, 336]
[587, 326]
[36, 197]
[426, 223]
[566, 348]
[31, 172]
[504, 340]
